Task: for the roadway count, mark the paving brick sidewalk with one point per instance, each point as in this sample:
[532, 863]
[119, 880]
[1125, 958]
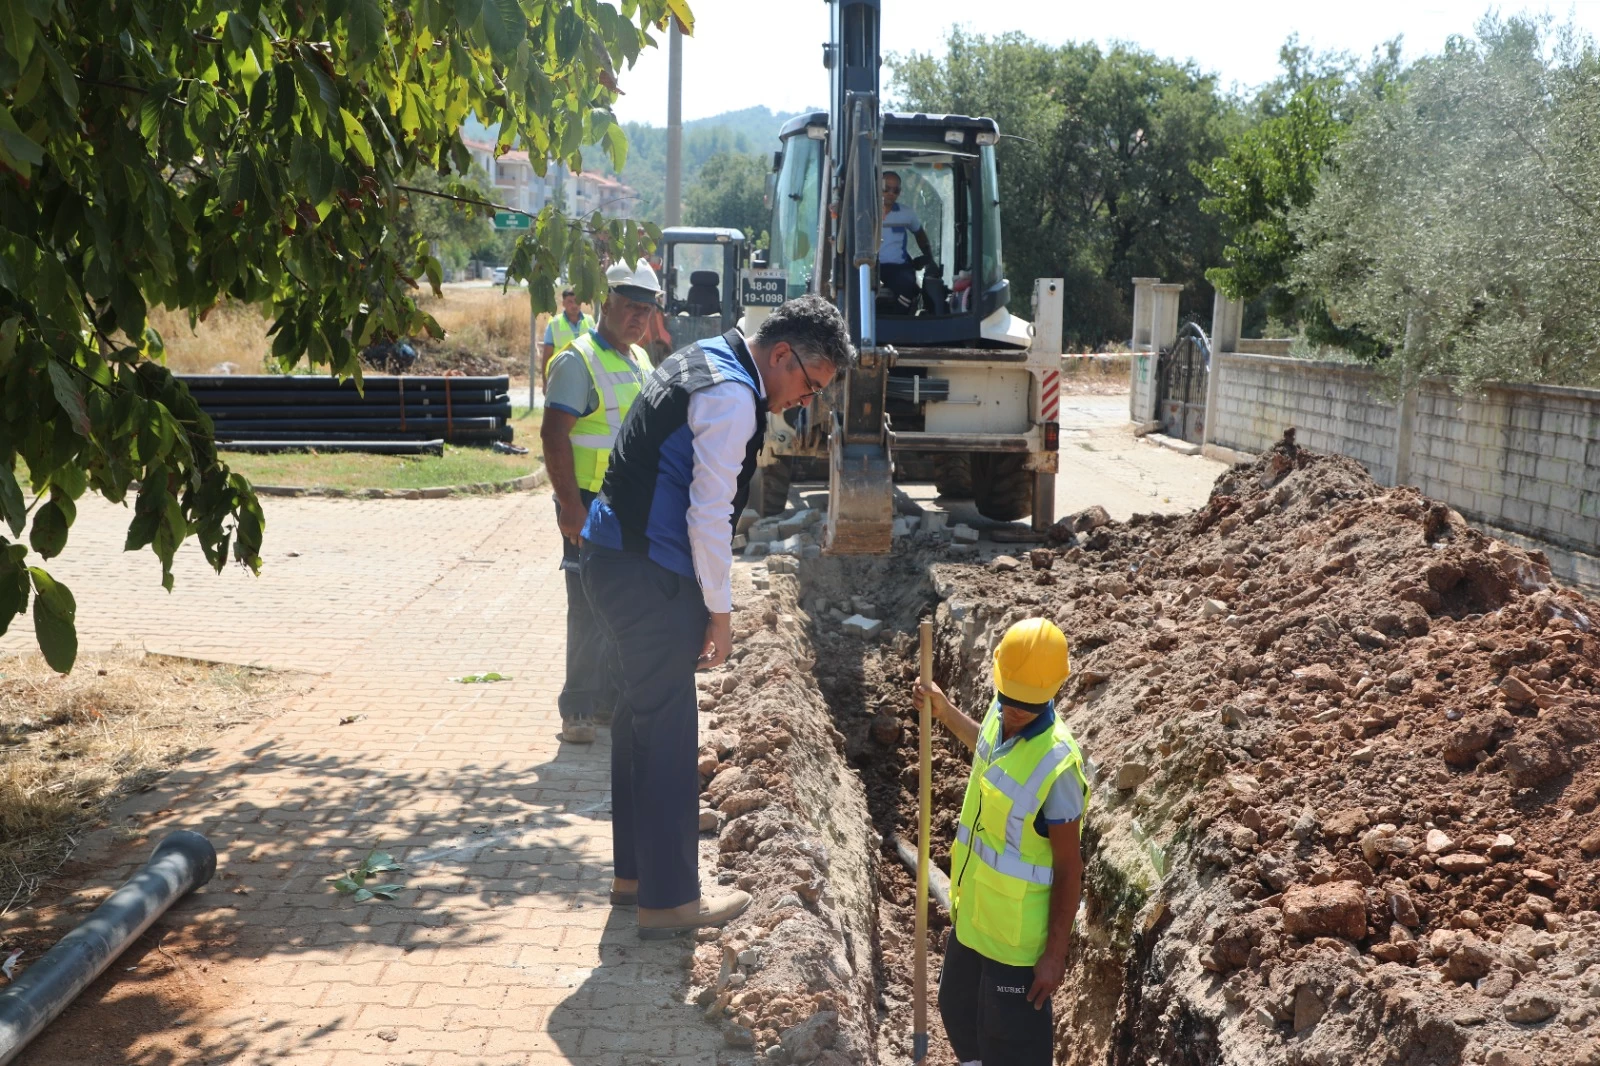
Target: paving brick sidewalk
[502, 948]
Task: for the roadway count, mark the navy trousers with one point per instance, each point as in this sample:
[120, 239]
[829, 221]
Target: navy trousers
[590, 688]
[657, 620]
[986, 1012]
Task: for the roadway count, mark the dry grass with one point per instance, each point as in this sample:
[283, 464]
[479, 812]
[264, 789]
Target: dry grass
[486, 332]
[232, 333]
[72, 746]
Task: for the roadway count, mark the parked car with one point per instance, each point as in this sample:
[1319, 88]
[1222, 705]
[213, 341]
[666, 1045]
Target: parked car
[499, 275]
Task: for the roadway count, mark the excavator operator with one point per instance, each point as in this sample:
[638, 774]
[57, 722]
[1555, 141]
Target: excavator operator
[897, 271]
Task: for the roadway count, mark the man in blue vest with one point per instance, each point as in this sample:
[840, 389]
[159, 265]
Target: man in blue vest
[1016, 869]
[657, 564]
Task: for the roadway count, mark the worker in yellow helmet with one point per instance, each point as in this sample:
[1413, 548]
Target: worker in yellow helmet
[1015, 869]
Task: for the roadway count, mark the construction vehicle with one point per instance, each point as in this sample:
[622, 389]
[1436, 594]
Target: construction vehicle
[700, 274]
[956, 386]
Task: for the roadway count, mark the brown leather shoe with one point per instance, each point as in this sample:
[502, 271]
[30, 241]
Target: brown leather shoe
[578, 731]
[664, 923]
[624, 893]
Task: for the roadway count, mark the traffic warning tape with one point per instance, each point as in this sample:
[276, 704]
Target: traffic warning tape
[1050, 396]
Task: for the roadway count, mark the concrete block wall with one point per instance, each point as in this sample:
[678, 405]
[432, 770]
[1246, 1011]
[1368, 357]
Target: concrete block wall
[1521, 460]
[1332, 407]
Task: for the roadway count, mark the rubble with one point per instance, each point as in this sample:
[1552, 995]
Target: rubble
[1363, 736]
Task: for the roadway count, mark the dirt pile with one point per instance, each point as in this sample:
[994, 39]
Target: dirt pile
[1346, 799]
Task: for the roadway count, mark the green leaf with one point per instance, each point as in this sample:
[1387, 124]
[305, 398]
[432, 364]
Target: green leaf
[49, 533]
[504, 27]
[367, 33]
[54, 611]
[343, 883]
[357, 137]
[18, 28]
[388, 891]
[11, 505]
[362, 895]
[70, 397]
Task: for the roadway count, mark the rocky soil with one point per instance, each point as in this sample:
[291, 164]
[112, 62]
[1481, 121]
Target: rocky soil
[1345, 802]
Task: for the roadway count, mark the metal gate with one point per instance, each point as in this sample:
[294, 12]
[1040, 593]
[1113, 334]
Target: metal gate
[1181, 375]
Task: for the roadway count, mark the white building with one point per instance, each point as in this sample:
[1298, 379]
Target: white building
[516, 185]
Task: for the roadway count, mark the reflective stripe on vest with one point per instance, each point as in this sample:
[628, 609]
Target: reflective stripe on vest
[617, 382]
[1001, 868]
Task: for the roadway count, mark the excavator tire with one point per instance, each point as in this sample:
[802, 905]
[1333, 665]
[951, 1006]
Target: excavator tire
[953, 474]
[1002, 486]
[775, 487]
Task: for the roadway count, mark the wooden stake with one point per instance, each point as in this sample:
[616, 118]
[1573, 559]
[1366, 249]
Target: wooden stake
[919, 973]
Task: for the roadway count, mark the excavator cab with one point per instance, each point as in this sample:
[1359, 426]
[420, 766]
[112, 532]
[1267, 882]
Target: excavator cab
[700, 275]
[950, 386]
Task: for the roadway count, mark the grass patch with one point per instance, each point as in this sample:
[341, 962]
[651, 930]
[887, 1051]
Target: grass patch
[352, 470]
[72, 746]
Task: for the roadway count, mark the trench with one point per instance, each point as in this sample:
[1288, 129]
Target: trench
[866, 686]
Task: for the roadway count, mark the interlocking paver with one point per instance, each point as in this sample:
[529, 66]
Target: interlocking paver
[501, 949]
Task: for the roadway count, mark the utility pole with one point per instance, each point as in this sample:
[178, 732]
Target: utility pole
[674, 125]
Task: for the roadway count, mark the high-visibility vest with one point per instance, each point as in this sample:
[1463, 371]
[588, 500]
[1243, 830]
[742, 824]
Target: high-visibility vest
[617, 381]
[1000, 867]
[563, 332]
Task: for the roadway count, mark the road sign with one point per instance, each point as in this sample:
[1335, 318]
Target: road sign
[767, 287]
[512, 220]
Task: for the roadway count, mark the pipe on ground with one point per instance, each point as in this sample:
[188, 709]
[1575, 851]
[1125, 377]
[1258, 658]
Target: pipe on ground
[938, 880]
[182, 862]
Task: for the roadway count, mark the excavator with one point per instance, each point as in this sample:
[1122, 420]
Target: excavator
[950, 386]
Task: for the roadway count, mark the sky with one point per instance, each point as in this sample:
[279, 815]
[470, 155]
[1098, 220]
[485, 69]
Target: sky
[750, 52]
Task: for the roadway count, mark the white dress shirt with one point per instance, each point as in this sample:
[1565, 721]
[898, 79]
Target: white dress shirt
[723, 420]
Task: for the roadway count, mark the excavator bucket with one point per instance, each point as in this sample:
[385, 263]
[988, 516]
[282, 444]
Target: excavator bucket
[860, 498]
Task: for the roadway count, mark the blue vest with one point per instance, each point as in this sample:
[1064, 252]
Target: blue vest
[643, 506]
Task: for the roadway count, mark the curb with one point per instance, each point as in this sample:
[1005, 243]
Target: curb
[480, 488]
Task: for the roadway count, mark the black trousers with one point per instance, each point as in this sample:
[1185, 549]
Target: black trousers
[901, 280]
[986, 1011]
[590, 688]
[658, 620]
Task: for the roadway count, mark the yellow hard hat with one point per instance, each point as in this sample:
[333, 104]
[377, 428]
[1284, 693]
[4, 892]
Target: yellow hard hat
[1030, 663]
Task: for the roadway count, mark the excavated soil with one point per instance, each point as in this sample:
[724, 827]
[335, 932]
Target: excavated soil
[1345, 801]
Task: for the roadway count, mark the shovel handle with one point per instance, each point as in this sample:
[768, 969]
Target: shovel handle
[919, 974]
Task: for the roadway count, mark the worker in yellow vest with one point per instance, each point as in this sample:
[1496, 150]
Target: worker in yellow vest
[573, 322]
[590, 387]
[1016, 869]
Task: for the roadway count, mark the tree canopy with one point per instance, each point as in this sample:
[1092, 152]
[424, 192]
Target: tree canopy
[180, 152]
[730, 190]
[1095, 164]
[1457, 221]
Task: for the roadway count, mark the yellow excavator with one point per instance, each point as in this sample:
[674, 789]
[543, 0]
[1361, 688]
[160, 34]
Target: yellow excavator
[951, 387]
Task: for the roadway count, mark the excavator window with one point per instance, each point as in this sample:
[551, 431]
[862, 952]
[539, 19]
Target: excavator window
[938, 186]
[795, 218]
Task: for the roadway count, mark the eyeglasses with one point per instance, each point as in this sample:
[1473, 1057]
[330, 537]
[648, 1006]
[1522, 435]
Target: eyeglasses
[816, 390]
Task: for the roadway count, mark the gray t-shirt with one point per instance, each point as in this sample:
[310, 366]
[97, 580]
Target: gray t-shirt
[568, 386]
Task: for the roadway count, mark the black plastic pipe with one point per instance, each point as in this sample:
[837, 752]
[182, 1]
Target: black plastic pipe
[370, 447]
[182, 862]
[318, 383]
[390, 409]
[342, 397]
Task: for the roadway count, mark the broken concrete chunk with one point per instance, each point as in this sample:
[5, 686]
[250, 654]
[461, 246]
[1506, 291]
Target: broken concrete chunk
[1462, 863]
[1528, 1006]
[1132, 775]
[782, 564]
[934, 521]
[1338, 908]
[964, 534]
[1319, 676]
[1438, 842]
[1517, 692]
[1213, 609]
[1004, 563]
[807, 1041]
[862, 625]
[1308, 1008]
[904, 527]
[1113, 585]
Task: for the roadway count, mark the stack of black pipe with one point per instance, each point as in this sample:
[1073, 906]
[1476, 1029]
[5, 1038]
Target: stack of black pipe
[393, 414]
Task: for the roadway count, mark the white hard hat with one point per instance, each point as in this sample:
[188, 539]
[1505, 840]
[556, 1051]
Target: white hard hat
[636, 282]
